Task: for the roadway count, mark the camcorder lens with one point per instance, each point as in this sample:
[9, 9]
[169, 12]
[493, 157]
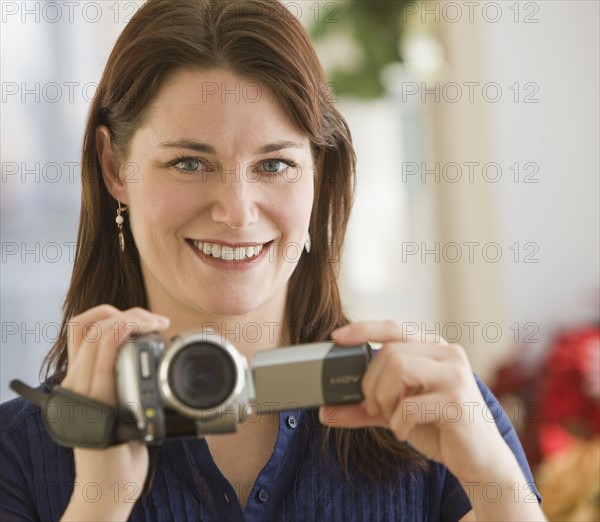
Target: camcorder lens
[202, 375]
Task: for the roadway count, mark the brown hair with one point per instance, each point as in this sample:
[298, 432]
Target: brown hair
[263, 42]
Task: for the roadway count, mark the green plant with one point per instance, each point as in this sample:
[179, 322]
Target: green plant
[375, 26]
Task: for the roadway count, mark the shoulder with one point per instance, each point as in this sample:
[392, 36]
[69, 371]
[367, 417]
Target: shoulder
[37, 474]
[22, 432]
[15, 414]
[24, 440]
[492, 411]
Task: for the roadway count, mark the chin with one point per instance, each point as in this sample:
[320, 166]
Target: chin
[231, 306]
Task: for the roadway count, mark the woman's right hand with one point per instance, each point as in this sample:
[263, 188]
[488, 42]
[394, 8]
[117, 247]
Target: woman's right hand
[109, 481]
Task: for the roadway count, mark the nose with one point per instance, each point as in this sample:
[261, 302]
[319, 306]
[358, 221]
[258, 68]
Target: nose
[235, 203]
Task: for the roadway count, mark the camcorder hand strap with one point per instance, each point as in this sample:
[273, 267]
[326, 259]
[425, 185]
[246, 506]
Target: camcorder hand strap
[73, 420]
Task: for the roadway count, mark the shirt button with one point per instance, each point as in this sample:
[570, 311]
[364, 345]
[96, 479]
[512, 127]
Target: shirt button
[292, 422]
[263, 495]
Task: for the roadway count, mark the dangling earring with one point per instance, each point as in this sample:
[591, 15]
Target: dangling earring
[307, 244]
[120, 220]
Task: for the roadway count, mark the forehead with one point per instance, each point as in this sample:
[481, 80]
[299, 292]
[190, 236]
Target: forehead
[220, 108]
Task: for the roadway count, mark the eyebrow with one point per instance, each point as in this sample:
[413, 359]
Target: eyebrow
[280, 145]
[209, 149]
[188, 144]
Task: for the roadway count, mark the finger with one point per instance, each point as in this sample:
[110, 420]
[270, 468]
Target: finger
[416, 411]
[349, 416]
[90, 334]
[404, 367]
[104, 368]
[402, 375]
[78, 328]
[363, 331]
[108, 335]
[438, 352]
[387, 363]
[383, 332]
[373, 374]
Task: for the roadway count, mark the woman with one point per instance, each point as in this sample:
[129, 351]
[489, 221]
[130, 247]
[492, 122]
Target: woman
[217, 185]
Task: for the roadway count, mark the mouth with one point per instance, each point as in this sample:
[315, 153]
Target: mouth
[231, 253]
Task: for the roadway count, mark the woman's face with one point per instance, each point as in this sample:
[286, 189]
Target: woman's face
[219, 185]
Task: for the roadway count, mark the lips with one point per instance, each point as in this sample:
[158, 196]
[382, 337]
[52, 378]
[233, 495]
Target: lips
[224, 252]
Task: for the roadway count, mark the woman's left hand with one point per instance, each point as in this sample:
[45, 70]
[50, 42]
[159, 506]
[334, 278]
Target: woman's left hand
[426, 394]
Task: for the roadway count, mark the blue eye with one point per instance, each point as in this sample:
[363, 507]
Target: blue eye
[189, 165]
[274, 166]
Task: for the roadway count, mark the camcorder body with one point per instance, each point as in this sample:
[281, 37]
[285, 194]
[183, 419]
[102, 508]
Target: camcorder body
[200, 384]
[197, 384]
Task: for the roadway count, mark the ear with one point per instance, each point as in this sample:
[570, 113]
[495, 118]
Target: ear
[109, 166]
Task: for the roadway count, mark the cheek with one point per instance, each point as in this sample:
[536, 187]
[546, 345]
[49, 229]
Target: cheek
[158, 209]
[295, 209]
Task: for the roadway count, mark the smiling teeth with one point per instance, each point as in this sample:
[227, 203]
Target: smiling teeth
[227, 253]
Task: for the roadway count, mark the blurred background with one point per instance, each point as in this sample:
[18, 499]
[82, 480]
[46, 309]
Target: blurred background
[477, 214]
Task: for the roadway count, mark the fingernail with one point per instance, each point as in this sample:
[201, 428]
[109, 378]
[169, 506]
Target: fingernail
[321, 415]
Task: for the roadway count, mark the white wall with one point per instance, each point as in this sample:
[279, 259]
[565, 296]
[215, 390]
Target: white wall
[554, 222]
[561, 135]
[51, 60]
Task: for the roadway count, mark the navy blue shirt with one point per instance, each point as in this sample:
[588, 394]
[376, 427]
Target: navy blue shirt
[37, 479]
